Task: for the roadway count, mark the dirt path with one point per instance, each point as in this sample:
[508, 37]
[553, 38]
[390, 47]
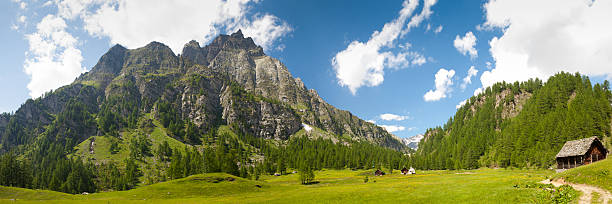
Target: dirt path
[587, 190]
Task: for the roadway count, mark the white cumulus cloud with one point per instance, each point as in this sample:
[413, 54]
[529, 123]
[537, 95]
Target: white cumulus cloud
[478, 91]
[468, 79]
[541, 38]
[465, 45]
[393, 128]
[52, 59]
[265, 30]
[390, 116]
[135, 23]
[363, 63]
[443, 81]
[461, 104]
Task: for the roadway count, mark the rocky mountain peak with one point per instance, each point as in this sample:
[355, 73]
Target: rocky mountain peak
[109, 65]
[234, 41]
[192, 44]
[111, 61]
[281, 103]
[237, 34]
[117, 48]
[158, 47]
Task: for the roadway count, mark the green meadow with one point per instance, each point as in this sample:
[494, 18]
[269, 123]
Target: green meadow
[331, 186]
[597, 174]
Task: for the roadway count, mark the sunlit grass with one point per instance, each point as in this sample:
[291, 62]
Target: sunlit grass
[335, 186]
[597, 174]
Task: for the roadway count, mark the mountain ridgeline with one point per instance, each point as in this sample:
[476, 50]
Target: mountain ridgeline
[519, 125]
[231, 81]
[142, 116]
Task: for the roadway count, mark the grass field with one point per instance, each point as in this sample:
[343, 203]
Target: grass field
[597, 174]
[334, 186]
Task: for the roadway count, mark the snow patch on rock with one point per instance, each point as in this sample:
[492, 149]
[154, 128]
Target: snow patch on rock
[307, 127]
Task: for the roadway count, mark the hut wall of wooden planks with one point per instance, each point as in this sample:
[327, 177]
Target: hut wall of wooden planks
[580, 152]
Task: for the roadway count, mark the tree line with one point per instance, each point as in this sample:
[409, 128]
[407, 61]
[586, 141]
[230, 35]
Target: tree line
[566, 107]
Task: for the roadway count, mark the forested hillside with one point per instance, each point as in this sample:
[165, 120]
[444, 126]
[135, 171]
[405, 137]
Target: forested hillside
[146, 115]
[519, 125]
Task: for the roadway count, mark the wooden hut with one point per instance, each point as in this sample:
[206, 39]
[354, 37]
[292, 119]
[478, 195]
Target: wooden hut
[580, 152]
[411, 171]
[404, 171]
[378, 172]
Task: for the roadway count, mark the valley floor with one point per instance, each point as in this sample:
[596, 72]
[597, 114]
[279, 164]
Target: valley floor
[334, 186]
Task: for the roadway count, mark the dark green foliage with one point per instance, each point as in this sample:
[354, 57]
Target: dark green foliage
[74, 124]
[80, 178]
[129, 180]
[109, 177]
[192, 134]
[281, 166]
[186, 163]
[243, 170]
[114, 147]
[51, 169]
[118, 112]
[36, 116]
[14, 133]
[321, 153]
[173, 122]
[256, 174]
[140, 146]
[227, 155]
[164, 151]
[566, 107]
[109, 122]
[14, 172]
[307, 176]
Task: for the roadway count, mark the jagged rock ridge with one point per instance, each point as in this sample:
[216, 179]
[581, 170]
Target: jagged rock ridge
[230, 81]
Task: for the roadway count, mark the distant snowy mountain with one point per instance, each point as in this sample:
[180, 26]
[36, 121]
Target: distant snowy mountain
[413, 142]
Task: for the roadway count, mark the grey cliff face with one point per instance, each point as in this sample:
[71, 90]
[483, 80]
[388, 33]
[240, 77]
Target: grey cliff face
[230, 81]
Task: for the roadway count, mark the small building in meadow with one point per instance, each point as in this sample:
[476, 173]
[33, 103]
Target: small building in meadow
[378, 172]
[580, 152]
[404, 171]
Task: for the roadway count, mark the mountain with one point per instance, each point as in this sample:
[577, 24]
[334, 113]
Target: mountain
[520, 124]
[145, 115]
[413, 142]
[230, 81]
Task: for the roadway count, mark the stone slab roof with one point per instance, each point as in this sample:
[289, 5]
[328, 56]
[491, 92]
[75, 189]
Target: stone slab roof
[576, 147]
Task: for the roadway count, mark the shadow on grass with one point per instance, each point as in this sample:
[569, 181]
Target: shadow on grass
[311, 183]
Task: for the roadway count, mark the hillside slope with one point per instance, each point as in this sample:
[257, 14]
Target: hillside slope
[231, 81]
[597, 174]
[520, 125]
[146, 115]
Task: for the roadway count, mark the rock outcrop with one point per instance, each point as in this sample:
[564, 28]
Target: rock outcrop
[230, 81]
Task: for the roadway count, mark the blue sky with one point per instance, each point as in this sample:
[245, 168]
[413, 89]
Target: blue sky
[400, 64]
